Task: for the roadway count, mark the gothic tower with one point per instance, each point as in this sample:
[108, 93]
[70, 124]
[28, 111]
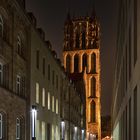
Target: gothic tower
[81, 54]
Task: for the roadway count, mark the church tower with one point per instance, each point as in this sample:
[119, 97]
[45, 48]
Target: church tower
[81, 55]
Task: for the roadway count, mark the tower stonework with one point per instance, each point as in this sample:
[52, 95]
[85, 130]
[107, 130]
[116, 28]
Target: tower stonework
[81, 55]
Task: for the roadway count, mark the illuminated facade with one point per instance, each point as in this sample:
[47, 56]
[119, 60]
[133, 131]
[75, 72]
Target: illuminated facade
[81, 55]
[126, 97]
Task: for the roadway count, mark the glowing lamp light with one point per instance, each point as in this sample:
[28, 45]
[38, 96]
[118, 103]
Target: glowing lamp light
[34, 114]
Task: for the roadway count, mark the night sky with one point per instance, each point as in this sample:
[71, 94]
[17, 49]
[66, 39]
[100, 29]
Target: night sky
[51, 15]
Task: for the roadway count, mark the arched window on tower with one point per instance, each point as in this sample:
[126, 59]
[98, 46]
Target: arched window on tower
[93, 87]
[84, 61]
[77, 41]
[1, 26]
[92, 112]
[83, 40]
[68, 59]
[76, 63]
[93, 63]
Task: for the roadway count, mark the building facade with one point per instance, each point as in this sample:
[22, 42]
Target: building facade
[81, 56]
[34, 102]
[13, 72]
[125, 112]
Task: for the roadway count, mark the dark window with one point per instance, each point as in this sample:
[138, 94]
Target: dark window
[44, 66]
[84, 61]
[53, 77]
[19, 46]
[77, 41]
[1, 26]
[130, 120]
[92, 112]
[56, 81]
[135, 31]
[93, 63]
[48, 131]
[1, 74]
[37, 59]
[18, 84]
[49, 71]
[135, 113]
[68, 59]
[18, 129]
[3, 125]
[93, 87]
[83, 40]
[76, 63]
[129, 52]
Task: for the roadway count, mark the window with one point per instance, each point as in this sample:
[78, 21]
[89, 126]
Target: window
[84, 61]
[44, 68]
[83, 40]
[37, 92]
[1, 123]
[93, 63]
[18, 84]
[37, 129]
[43, 131]
[43, 97]
[37, 59]
[1, 26]
[92, 112]
[49, 101]
[76, 63]
[93, 87]
[19, 45]
[77, 41]
[1, 73]
[68, 59]
[130, 52]
[17, 129]
[135, 113]
[56, 106]
[53, 73]
[56, 81]
[52, 103]
[49, 71]
[135, 31]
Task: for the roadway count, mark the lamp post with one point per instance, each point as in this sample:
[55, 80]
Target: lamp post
[34, 113]
[63, 129]
[82, 134]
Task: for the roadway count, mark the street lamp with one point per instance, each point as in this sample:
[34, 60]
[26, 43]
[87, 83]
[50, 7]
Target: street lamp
[75, 133]
[63, 129]
[34, 113]
[82, 134]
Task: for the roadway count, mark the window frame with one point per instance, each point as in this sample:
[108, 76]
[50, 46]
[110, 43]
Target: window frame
[18, 84]
[18, 127]
[1, 125]
[1, 73]
[1, 24]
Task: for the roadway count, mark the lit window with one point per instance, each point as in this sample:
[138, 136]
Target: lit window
[37, 92]
[49, 102]
[18, 129]
[1, 73]
[1, 121]
[19, 47]
[37, 129]
[43, 131]
[43, 97]
[18, 84]
[1, 26]
[56, 106]
[52, 103]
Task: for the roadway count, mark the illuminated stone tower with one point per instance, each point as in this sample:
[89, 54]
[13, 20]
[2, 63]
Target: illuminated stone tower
[81, 55]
